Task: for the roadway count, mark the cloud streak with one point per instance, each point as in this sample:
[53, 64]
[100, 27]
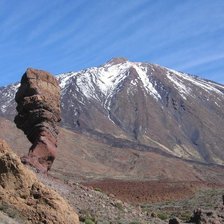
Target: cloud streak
[61, 35]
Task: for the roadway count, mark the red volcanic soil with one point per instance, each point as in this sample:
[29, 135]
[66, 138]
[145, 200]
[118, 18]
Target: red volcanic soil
[148, 191]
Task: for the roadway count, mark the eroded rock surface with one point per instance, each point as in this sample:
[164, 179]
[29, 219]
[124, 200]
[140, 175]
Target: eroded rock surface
[38, 107]
[25, 198]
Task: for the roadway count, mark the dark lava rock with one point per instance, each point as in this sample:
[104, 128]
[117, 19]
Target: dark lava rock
[210, 217]
[174, 221]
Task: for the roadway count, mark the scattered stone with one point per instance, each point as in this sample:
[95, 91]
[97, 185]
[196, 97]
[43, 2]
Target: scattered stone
[7, 220]
[174, 221]
[38, 107]
[209, 217]
[153, 215]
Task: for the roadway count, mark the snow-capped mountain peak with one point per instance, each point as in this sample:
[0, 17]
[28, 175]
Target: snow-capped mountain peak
[144, 103]
[104, 82]
[107, 78]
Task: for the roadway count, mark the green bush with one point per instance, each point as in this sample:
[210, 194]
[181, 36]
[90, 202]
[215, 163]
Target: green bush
[97, 189]
[162, 216]
[89, 221]
[185, 216]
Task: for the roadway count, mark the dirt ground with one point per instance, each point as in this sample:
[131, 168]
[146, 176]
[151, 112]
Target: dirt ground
[138, 192]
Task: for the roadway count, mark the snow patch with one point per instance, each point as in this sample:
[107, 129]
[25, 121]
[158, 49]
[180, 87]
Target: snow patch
[105, 81]
[205, 85]
[86, 85]
[3, 108]
[217, 104]
[108, 78]
[64, 78]
[142, 72]
[134, 82]
[182, 88]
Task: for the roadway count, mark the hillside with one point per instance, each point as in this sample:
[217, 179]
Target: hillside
[141, 106]
[25, 197]
[81, 157]
[125, 175]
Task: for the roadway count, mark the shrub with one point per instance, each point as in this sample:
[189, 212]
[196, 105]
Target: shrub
[162, 216]
[98, 189]
[87, 216]
[89, 221]
[185, 216]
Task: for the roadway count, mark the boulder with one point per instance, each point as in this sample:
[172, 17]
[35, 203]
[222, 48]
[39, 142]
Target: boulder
[174, 221]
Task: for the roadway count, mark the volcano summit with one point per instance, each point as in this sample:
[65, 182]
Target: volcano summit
[141, 106]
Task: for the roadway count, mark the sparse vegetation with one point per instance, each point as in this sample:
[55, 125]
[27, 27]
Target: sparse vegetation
[183, 209]
[98, 189]
[185, 216]
[119, 205]
[135, 222]
[162, 216]
[87, 217]
[89, 221]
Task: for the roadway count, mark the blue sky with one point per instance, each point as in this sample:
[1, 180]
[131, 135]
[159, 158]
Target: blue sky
[69, 35]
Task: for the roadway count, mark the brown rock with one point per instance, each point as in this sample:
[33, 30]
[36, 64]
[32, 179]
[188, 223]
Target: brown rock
[207, 216]
[38, 107]
[26, 198]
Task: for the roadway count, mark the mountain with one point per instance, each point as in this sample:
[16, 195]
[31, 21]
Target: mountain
[141, 106]
[83, 158]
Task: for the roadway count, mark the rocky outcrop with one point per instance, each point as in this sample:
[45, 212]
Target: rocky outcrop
[25, 198]
[201, 216]
[38, 107]
[174, 221]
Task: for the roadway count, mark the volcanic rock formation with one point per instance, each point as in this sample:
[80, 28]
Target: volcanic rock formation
[38, 107]
[208, 216]
[24, 198]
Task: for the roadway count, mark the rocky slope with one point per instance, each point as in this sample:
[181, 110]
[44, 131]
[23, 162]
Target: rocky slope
[24, 197]
[141, 106]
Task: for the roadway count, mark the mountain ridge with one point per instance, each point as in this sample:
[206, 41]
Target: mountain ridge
[143, 104]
